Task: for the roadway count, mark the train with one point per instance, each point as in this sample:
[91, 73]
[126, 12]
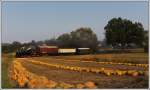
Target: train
[50, 50]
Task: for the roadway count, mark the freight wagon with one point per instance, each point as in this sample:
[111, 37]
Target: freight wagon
[49, 50]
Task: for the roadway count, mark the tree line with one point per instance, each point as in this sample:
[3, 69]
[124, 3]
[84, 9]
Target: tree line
[119, 33]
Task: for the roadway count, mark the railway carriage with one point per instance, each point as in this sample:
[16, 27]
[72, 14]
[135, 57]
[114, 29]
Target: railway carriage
[83, 51]
[63, 51]
[50, 50]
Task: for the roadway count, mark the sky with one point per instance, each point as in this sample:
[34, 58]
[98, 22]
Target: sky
[26, 21]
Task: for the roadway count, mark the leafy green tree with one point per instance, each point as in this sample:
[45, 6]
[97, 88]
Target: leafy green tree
[40, 42]
[10, 47]
[123, 32]
[51, 41]
[146, 45]
[16, 45]
[64, 40]
[84, 37]
[33, 42]
[6, 48]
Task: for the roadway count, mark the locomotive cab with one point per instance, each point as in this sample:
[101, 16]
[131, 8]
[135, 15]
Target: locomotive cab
[24, 51]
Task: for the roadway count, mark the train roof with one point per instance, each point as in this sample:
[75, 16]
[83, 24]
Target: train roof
[48, 46]
[67, 48]
[83, 48]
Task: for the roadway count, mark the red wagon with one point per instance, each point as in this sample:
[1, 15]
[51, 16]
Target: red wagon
[50, 50]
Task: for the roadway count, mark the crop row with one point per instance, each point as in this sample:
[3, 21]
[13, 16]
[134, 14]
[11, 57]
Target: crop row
[114, 63]
[26, 79]
[102, 70]
[129, 64]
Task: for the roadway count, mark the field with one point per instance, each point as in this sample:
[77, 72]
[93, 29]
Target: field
[6, 62]
[124, 70]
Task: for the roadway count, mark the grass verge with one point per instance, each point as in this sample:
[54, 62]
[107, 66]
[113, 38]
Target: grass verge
[6, 62]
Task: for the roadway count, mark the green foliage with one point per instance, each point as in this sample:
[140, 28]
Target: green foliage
[123, 32]
[51, 41]
[64, 40]
[146, 45]
[8, 48]
[82, 37]
[6, 62]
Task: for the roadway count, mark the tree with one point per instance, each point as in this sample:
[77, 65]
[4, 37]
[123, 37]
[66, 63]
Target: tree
[10, 47]
[84, 37]
[64, 40]
[40, 42]
[16, 45]
[33, 43]
[146, 45]
[6, 48]
[122, 32]
[51, 41]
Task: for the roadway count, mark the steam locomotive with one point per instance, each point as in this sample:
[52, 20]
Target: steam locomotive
[50, 50]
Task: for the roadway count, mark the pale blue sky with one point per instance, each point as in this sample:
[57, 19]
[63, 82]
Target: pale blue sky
[26, 21]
